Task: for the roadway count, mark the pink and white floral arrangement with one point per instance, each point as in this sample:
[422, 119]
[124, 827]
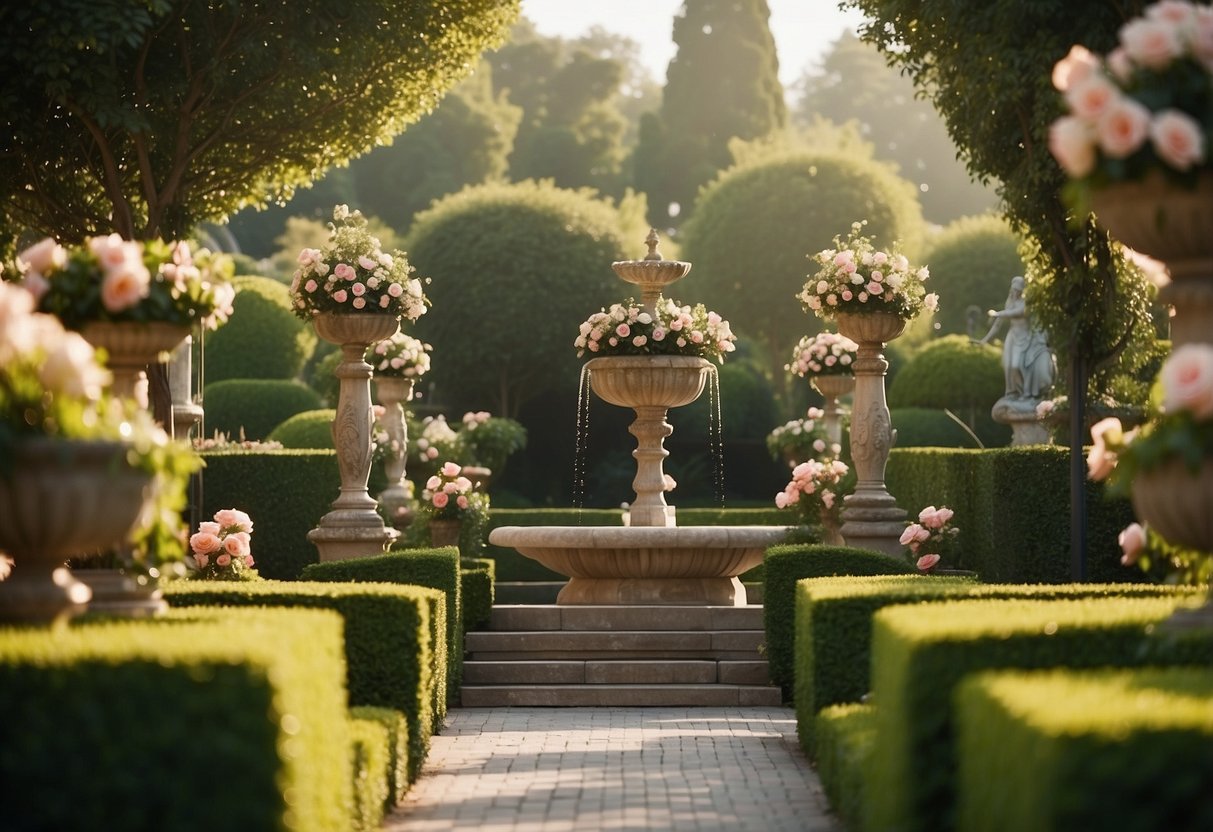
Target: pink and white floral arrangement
[855, 276]
[352, 274]
[823, 354]
[930, 538]
[449, 495]
[800, 439]
[221, 548]
[1145, 106]
[400, 356]
[675, 329]
[815, 492]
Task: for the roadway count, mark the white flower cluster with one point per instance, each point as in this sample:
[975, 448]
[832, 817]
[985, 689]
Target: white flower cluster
[675, 329]
[400, 356]
[826, 353]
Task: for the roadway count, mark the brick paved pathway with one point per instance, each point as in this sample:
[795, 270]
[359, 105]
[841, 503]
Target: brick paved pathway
[555, 769]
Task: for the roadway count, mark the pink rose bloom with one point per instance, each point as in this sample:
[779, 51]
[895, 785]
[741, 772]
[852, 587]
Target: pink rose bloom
[461, 501]
[781, 500]
[1187, 381]
[639, 341]
[927, 562]
[696, 337]
[124, 286]
[70, 367]
[450, 469]
[308, 256]
[210, 527]
[358, 289]
[236, 546]
[831, 299]
[450, 487]
[395, 290]
[433, 482]
[384, 300]
[1075, 67]
[623, 330]
[1101, 461]
[223, 560]
[341, 296]
[1072, 143]
[827, 499]
[1091, 98]
[910, 534]
[658, 334]
[1151, 43]
[1177, 139]
[440, 499]
[344, 271]
[248, 561]
[367, 263]
[358, 303]
[1178, 12]
[847, 294]
[44, 256]
[875, 288]
[310, 286]
[35, 284]
[1202, 35]
[1132, 543]
[234, 520]
[201, 560]
[1123, 128]
[203, 543]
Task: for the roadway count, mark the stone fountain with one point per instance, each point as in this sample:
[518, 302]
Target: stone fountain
[653, 560]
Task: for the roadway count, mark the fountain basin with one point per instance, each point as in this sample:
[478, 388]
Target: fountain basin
[687, 565]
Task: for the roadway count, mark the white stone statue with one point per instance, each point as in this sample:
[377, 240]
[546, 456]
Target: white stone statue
[1029, 368]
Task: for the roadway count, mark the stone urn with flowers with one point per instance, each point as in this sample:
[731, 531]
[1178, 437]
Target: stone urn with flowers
[80, 472]
[827, 360]
[450, 500]
[396, 363]
[1135, 145]
[136, 301]
[355, 295]
[871, 294]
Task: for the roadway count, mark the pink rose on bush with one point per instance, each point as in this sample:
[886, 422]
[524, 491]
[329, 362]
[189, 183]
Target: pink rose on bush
[223, 560]
[234, 520]
[203, 543]
[927, 562]
[1132, 543]
[440, 499]
[228, 537]
[1187, 381]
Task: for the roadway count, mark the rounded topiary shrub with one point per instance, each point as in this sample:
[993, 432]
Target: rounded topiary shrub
[972, 261]
[311, 429]
[254, 406]
[756, 224]
[262, 339]
[920, 427]
[953, 373]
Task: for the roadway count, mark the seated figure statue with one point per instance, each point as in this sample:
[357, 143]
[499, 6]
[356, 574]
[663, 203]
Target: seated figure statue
[1028, 366]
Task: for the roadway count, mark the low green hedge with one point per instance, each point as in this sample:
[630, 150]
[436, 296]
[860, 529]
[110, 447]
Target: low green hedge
[477, 576]
[370, 770]
[308, 429]
[127, 724]
[846, 735]
[834, 627]
[1126, 750]
[783, 566]
[252, 407]
[433, 568]
[921, 653]
[389, 633]
[397, 728]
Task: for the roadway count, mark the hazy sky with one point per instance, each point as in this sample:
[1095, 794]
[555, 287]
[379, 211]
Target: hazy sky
[802, 28]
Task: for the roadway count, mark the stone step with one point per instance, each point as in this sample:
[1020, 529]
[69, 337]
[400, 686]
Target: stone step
[614, 672]
[532, 617]
[742, 645]
[619, 696]
[545, 592]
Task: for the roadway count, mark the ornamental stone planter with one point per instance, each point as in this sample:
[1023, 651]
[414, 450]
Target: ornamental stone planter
[832, 388]
[130, 346]
[393, 392]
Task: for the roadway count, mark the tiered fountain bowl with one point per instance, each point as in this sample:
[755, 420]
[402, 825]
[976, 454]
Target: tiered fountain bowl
[653, 560]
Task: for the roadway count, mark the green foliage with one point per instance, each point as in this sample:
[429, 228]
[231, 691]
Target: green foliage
[262, 339]
[131, 711]
[491, 442]
[309, 429]
[370, 771]
[494, 252]
[756, 224]
[476, 577]
[1125, 750]
[920, 427]
[110, 127]
[253, 407]
[389, 634]
[397, 728]
[722, 83]
[955, 374]
[433, 568]
[845, 737]
[921, 654]
[747, 406]
[972, 261]
[783, 566]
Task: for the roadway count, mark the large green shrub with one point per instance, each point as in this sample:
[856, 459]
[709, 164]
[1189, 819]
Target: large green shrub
[477, 577]
[114, 724]
[783, 566]
[262, 339]
[955, 374]
[370, 771]
[311, 429]
[514, 269]
[756, 223]
[254, 407]
[397, 747]
[845, 736]
[920, 427]
[972, 261]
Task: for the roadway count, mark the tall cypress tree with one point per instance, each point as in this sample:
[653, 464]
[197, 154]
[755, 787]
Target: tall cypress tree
[722, 83]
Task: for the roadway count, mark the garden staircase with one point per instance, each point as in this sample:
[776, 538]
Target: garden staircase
[598, 656]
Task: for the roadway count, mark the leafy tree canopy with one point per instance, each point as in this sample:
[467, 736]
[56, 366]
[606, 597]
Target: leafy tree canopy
[148, 116]
[972, 261]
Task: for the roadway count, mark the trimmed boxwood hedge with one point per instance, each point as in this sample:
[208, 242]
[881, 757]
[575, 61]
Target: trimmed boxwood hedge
[389, 638]
[311, 429]
[834, 627]
[111, 724]
[253, 407]
[397, 728]
[477, 578]
[921, 653]
[434, 568]
[846, 734]
[783, 566]
[1124, 750]
[370, 770]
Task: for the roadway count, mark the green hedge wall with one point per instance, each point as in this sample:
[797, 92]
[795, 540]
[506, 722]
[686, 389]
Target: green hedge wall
[834, 627]
[389, 633]
[1125, 750]
[783, 566]
[434, 568]
[921, 653]
[253, 407]
[846, 735]
[397, 727]
[477, 576]
[369, 770]
[125, 724]
[1013, 511]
